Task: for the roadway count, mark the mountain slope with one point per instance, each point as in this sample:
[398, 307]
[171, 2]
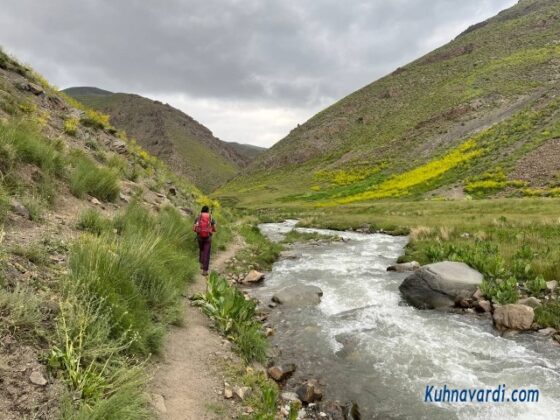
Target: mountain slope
[430, 126]
[186, 145]
[95, 252]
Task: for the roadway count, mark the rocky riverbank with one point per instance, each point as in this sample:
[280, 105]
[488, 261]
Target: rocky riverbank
[454, 286]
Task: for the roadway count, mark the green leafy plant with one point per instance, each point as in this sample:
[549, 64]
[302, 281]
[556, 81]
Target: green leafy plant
[501, 291]
[536, 285]
[234, 317]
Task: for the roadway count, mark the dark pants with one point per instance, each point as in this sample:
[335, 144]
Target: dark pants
[204, 246]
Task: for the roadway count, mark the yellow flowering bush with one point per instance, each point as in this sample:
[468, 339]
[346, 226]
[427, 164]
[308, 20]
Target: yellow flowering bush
[400, 185]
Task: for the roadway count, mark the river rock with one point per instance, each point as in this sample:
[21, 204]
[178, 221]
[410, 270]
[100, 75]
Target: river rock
[253, 276]
[298, 295]
[532, 301]
[483, 306]
[281, 372]
[440, 285]
[404, 267]
[547, 331]
[514, 317]
[309, 391]
[289, 255]
[289, 396]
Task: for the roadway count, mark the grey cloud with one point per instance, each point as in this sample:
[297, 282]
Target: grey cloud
[284, 51]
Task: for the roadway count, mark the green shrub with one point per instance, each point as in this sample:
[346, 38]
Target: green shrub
[92, 362]
[258, 250]
[141, 272]
[91, 220]
[536, 285]
[548, 315]
[95, 119]
[34, 206]
[35, 252]
[20, 310]
[88, 178]
[250, 341]
[4, 204]
[234, 317]
[501, 291]
[264, 397]
[31, 147]
[71, 126]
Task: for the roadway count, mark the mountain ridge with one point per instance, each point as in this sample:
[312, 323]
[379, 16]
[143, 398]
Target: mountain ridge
[170, 134]
[492, 73]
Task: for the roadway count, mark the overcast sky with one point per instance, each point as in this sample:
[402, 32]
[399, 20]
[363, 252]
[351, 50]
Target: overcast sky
[250, 70]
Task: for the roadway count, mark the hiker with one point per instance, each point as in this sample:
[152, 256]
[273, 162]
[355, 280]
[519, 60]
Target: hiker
[204, 226]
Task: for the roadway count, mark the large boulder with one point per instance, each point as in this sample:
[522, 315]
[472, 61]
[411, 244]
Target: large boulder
[440, 285]
[298, 295]
[514, 317]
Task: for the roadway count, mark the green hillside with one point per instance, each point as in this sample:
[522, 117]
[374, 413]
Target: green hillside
[176, 138]
[95, 252]
[477, 117]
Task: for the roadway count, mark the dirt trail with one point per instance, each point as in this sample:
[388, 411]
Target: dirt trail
[187, 376]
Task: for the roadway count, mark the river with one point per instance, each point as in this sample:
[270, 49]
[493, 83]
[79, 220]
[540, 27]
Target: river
[368, 346]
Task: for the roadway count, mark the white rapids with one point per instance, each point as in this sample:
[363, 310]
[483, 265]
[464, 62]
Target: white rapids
[370, 347]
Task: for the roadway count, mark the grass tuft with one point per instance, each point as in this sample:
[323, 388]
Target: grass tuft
[88, 178]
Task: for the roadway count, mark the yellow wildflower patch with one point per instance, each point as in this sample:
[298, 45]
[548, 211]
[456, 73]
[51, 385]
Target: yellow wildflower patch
[400, 185]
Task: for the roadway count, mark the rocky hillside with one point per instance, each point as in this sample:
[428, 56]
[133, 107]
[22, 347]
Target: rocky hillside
[476, 117]
[95, 251]
[186, 145]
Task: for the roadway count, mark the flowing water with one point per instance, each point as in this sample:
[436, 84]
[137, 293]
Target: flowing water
[370, 347]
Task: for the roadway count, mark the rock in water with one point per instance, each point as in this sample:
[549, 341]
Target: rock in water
[404, 267]
[254, 276]
[281, 372]
[309, 391]
[440, 285]
[298, 295]
[514, 317]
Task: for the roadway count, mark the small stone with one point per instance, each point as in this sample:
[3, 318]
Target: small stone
[547, 331]
[484, 306]
[242, 392]
[551, 285]
[404, 267]
[124, 197]
[477, 295]
[281, 372]
[289, 396]
[269, 332]
[37, 378]
[228, 393]
[159, 403]
[285, 411]
[253, 276]
[95, 201]
[532, 301]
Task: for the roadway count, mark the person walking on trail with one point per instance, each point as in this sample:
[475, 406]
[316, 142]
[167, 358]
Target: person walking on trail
[204, 226]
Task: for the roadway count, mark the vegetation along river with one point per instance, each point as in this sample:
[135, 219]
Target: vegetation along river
[368, 346]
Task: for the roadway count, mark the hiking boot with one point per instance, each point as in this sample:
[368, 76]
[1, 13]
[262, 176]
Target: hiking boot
[205, 273]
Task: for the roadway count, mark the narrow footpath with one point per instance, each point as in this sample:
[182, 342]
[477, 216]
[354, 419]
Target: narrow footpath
[187, 383]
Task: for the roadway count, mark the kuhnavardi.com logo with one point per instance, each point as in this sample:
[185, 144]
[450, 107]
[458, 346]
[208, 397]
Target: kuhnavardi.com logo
[499, 394]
